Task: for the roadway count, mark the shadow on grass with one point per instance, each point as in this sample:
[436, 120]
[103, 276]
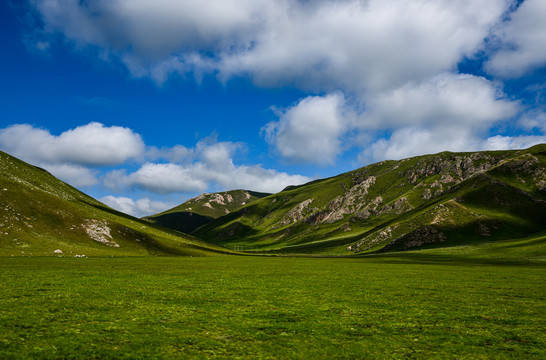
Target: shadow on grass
[185, 221]
[445, 259]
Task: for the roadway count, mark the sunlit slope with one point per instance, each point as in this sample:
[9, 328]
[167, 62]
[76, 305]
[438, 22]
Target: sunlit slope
[443, 199]
[204, 208]
[40, 214]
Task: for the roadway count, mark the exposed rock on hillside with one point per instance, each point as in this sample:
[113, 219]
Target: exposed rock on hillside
[40, 214]
[431, 199]
[350, 202]
[421, 236]
[98, 230]
[296, 213]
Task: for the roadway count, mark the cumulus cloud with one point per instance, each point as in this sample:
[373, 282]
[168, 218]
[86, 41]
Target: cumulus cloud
[138, 208]
[157, 178]
[395, 60]
[522, 37]
[450, 100]
[76, 155]
[88, 145]
[327, 44]
[75, 175]
[214, 168]
[408, 142]
[175, 154]
[412, 141]
[310, 130]
[534, 120]
[499, 142]
[70, 154]
[447, 112]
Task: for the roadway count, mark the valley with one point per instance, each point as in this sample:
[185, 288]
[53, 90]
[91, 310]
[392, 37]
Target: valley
[438, 256]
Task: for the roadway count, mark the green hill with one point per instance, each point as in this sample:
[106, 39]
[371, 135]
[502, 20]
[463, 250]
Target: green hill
[40, 214]
[432, 201]
[204, 208]
[444, 199]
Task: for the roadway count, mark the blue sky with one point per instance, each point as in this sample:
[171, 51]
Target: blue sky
[144, 104]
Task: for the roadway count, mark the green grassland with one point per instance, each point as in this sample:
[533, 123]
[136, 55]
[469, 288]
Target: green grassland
[458, 273]
[468, 302]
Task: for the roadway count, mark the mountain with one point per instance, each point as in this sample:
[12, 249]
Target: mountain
[41, 215]
[435, 200]
[204, 208]
[441, 200]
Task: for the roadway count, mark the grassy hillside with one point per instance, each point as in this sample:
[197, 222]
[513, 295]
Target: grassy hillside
[40, 214]
[425, 201]
[204, 208]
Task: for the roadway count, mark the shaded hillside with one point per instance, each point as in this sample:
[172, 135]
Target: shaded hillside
[40, 214]
[441, 199]
[204, 208]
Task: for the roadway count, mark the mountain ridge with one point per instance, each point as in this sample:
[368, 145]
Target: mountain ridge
[429, 201]
[41, 215]
[204, 208]
[355, 208]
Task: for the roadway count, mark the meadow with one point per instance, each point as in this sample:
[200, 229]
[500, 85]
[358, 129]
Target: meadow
[260, 307]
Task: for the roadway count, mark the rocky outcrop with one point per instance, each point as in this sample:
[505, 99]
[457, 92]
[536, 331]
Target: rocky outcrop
[442, 214]
[421, 236]
[399, 206]
[371, 240]
[99, 231]
[350, 202]
[370, 209]
[427, 194]
[296, 213]
[453, 169]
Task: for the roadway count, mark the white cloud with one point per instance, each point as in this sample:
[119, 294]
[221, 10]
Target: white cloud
[523, 41]
[166, 178]
[413, 141]
[328, 44]
[75, 175]
[447, 112]
[310, 130]
[259, 179]
[138, 208]
[214, 168]
[394, 59]
[499, 142]
[450, 100]
[89, 145]
[361, 45]
[408, 142]
[534, 120]
[175, 154]
[70, 154]
[217, 155]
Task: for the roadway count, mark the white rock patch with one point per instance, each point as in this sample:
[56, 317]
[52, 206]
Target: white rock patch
[99, 231]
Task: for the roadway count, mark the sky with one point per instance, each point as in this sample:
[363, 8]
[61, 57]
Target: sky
[144, 104]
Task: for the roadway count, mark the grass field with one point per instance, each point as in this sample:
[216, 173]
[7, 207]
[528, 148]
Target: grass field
[256, 307]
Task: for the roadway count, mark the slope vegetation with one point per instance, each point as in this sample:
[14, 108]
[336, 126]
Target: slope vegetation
[436, 200]
[41, 215]
[204, 208]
